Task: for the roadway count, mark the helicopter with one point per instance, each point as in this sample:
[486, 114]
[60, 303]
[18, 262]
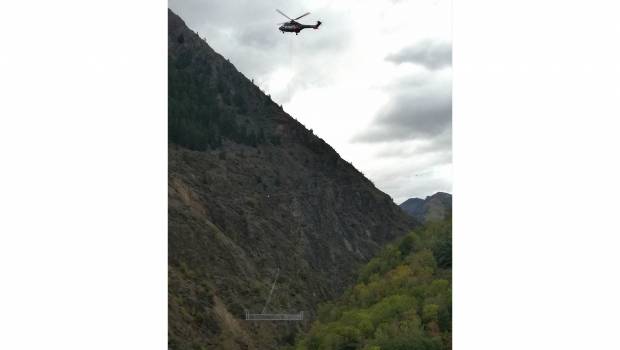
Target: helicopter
[295, 27]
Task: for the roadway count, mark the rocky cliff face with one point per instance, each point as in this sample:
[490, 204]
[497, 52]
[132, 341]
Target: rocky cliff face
[251, 190]
[437, 207]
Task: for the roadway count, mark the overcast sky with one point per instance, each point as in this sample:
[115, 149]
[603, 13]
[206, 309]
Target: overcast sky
[374, 81]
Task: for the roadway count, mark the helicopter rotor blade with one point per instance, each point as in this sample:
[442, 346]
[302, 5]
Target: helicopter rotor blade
[305, 14]
[282, 13]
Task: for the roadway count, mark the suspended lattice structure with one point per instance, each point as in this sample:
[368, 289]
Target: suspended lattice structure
[274, 317]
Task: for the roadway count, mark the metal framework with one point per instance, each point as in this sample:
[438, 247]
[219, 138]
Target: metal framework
[274, 317]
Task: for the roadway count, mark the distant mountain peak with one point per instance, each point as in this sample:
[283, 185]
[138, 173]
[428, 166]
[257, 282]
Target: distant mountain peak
[436, 207]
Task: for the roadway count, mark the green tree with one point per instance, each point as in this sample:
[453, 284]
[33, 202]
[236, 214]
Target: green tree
[402, 300]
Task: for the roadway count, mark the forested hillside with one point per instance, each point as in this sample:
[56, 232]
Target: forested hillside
[402, 299]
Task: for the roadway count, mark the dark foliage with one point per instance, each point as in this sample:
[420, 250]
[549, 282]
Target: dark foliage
[203, 110]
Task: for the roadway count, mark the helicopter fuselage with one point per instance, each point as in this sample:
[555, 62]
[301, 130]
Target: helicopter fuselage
[295, 27]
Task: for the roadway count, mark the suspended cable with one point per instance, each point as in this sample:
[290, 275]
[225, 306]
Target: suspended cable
[273, 286]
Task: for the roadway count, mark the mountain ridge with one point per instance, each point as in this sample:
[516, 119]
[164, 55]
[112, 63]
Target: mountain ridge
[251, 190]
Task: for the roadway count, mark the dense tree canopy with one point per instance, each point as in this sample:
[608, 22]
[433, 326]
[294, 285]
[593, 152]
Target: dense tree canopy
[206, 105]
[402, 300]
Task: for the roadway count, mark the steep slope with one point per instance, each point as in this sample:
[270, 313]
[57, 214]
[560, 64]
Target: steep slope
[434, 208]
[251, 190]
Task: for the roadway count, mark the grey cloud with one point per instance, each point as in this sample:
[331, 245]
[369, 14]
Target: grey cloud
[223, 14]
[440, 145]
[257, 35]
[428, 53]
[417, 114]
[414, 130]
